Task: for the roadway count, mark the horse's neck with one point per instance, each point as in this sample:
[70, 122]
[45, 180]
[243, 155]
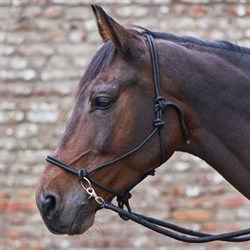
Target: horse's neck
[216, 98]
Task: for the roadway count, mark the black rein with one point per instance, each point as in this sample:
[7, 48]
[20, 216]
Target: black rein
[123, 197]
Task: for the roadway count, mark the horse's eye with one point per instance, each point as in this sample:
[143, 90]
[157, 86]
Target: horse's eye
[103, 103]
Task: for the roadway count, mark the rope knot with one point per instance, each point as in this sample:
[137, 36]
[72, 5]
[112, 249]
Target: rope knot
[82, 174]
[159, 110]
[158, 122]
[123, 199]
[159, 104]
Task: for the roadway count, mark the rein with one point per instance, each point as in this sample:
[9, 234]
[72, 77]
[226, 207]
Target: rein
[124, 196]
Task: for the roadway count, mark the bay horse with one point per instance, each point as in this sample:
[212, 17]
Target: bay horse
[207, 88]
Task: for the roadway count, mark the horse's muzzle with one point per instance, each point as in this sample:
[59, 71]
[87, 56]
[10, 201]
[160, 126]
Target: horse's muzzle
[65, 215]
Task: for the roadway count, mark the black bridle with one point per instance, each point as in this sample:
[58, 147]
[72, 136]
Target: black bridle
[124, 196]
[158, 123]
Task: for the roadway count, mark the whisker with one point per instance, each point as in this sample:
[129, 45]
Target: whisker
[96, 233]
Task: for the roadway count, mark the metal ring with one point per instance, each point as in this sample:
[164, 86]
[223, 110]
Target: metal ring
[86, 179]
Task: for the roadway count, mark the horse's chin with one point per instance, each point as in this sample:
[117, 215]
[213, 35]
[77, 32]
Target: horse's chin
[76, 229]
[80, 225]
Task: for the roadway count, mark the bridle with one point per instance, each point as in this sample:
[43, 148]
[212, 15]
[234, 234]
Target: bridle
[159, 107]
[124, 196]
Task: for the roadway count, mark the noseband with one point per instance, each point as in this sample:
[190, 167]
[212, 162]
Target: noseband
[124, 196]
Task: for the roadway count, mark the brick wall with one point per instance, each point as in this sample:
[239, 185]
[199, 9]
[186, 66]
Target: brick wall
[45, 45]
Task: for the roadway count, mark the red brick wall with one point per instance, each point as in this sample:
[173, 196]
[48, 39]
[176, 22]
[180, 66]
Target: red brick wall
[45, 45]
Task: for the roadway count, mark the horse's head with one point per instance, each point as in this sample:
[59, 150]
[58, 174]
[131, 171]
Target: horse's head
[113, 113]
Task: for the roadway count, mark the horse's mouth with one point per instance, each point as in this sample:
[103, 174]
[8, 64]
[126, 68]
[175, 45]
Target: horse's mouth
[71, 221]
[82, 222]
[78, 226]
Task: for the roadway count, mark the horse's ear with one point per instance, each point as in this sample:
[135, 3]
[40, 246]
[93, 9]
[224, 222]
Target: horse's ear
[124, 40]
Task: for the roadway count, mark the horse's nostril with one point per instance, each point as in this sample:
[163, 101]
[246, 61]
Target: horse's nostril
[49, 204]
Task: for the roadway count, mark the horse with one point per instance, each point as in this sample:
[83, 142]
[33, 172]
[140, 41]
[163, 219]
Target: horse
[123, 127]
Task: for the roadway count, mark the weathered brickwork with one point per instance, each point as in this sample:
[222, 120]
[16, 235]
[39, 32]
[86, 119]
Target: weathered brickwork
[45, 46]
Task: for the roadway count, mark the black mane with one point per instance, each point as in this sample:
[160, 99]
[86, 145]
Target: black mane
[105, 55]
[184, 40]
[101, 61]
